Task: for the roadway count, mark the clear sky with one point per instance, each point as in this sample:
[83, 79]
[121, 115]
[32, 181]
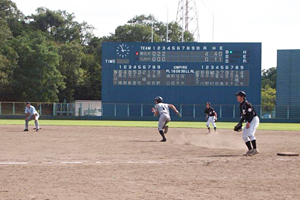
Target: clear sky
[275, 23]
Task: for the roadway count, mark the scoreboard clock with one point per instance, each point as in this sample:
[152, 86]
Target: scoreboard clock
[182, 73]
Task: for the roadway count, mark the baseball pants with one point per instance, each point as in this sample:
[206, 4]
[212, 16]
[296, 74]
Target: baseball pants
[31, 117]
[163, 120]
[249, 133]
[211, 119]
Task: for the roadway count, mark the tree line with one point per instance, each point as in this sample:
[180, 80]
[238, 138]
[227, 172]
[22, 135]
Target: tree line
[50, 57]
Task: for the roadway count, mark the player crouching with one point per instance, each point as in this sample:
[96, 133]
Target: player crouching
[162, 109]
[249, 115]
[31, 114]
[211, 117]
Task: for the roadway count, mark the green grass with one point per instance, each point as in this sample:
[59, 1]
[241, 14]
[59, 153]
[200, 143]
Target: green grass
[221, 125]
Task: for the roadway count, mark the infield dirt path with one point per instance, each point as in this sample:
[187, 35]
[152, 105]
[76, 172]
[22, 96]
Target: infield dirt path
[63, 163]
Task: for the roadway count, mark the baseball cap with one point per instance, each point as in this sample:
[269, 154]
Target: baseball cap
[240, 93]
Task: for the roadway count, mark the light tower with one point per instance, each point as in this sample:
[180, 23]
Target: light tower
[187, 17]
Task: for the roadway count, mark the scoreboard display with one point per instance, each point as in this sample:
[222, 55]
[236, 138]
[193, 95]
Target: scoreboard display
[182, 73]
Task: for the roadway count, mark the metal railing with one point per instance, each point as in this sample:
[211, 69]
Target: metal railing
[141, 110]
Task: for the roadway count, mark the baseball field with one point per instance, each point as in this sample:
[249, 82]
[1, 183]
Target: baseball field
[123, 160]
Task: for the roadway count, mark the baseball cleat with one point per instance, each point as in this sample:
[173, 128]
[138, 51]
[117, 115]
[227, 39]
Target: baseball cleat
[166, 129]
[37, 130]
[163, 140]
[25, 129]
[248, 153]
[254, 152]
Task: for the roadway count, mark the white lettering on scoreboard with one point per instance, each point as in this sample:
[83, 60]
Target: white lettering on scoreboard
[181, 75]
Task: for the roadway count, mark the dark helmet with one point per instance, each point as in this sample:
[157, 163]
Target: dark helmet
[208, 103]
[27, 102]
[158, 99]
[241, 93]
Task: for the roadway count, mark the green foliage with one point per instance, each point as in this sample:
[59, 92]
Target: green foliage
[269, 78]
[268, 93]
[268, 98]
[37, 77]
[49, 56]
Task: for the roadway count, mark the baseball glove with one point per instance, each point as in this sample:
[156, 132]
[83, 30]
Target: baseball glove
[238, 127]
[216, 119]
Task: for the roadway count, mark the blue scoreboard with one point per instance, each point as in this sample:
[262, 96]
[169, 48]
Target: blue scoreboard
[182, 73]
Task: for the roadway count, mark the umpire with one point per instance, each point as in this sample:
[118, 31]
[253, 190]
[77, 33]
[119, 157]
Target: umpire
[249, 115]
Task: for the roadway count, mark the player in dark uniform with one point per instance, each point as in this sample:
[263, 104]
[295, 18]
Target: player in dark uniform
[249, 115]
[211, 117]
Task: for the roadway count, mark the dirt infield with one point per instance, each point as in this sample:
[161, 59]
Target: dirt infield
[128, 163]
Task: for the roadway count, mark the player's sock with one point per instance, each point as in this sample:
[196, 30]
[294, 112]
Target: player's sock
[208, 130]
[215, 128]
[26, 124]
[249, 145]
[37, 125]
[253, 144]
[163, 135]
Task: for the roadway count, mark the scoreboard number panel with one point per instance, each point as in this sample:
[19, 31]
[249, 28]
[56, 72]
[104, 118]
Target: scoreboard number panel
[194, 67]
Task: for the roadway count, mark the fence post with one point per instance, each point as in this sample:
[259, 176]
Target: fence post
[220, 111]
[0, 108]
[115, 110]
[127, 110]
[233, 111]
[61, 109]
[54, 105]
[40, 108]
[261, 111]
[288, 112]
[142, 110]
[80, 109]
[194, 111]
[67, 109]
[14, 109]
[181, 109]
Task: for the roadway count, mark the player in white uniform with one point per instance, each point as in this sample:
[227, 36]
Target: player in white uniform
[162, 109]
[31, 114]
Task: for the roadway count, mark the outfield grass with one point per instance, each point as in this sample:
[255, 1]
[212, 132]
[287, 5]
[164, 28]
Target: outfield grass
[221, 125]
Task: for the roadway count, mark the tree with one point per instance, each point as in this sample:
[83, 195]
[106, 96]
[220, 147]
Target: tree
[61, 26]
[269, 78]
[139, 29]
[69, 67]
[37, 78]
[268, 98]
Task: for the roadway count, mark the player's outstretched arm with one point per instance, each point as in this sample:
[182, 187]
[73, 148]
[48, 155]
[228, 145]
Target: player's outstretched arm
[175, 109]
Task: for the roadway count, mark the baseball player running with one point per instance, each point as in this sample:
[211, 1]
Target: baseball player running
[211, 117]
[31, 114]
[162, 109]
[249, 115]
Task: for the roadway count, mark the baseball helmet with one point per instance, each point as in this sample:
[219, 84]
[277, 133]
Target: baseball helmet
[27, 102]
[158, 99]
[241, 93]
[208, 103]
